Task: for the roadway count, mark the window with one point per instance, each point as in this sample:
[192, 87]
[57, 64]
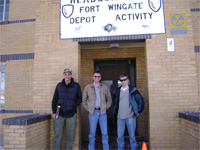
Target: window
[4, 10]
[2, 84]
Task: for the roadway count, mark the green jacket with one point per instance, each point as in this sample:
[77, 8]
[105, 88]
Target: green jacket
[135, 98]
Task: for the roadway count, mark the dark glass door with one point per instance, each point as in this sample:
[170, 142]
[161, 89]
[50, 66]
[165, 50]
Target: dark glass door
[111, 70]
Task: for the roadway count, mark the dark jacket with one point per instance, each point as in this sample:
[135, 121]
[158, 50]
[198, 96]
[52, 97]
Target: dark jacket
[135, 98]
[68, 97]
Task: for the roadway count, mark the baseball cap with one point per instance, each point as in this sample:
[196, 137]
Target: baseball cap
[67, 70]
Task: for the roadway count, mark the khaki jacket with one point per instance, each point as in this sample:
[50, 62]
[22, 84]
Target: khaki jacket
[89, 98]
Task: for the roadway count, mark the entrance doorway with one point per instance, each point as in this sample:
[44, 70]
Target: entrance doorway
[111, 70]
[95, 57]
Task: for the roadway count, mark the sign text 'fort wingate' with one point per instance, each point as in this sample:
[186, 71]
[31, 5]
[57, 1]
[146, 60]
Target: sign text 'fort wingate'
[94, 18]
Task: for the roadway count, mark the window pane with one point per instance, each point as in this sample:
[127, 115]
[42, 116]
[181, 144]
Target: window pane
[6, 16]
[1, 2]
[7, 1]
[3, 67]
[3, 76]
[7, 8]
[2, 86]
[1, 9]
[1, 17]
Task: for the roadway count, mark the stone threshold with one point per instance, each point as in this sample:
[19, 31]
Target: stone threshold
[26, 120]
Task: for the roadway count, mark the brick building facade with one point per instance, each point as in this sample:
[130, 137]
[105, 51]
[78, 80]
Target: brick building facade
[35, 56]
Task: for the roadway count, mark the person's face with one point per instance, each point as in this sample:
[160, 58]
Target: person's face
[67, 76]
[124, 81]
[96, 77]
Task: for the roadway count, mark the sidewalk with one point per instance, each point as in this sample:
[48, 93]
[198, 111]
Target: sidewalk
[98, 143]
[113, 143]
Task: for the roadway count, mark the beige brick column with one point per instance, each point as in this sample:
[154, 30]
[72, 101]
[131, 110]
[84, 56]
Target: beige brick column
[172, 81]
[52, 55]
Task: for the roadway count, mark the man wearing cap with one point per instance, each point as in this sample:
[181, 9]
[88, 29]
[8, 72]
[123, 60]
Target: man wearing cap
[96, 99]
[67, 96]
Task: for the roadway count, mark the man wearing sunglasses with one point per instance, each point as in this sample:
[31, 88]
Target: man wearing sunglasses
[96, 99]
[128, 103]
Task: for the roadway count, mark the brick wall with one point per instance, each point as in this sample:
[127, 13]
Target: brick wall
[7, 115]
[52, 56]
[38, 135]
[28, 132]
[18, 91]
[24, 9]
[190, 138]
[195, 15]
[18, 38]
[172, 80]
[21, 35]
[87, 68]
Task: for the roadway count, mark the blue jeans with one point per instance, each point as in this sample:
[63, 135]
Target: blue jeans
[93, 120]
[131, 125]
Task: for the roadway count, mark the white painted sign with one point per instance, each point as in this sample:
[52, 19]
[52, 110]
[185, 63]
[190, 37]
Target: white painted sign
[94, 18]
[170, 44]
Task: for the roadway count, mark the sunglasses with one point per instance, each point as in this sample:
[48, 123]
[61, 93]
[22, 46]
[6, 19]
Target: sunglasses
[97, 76]
[123, 80]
